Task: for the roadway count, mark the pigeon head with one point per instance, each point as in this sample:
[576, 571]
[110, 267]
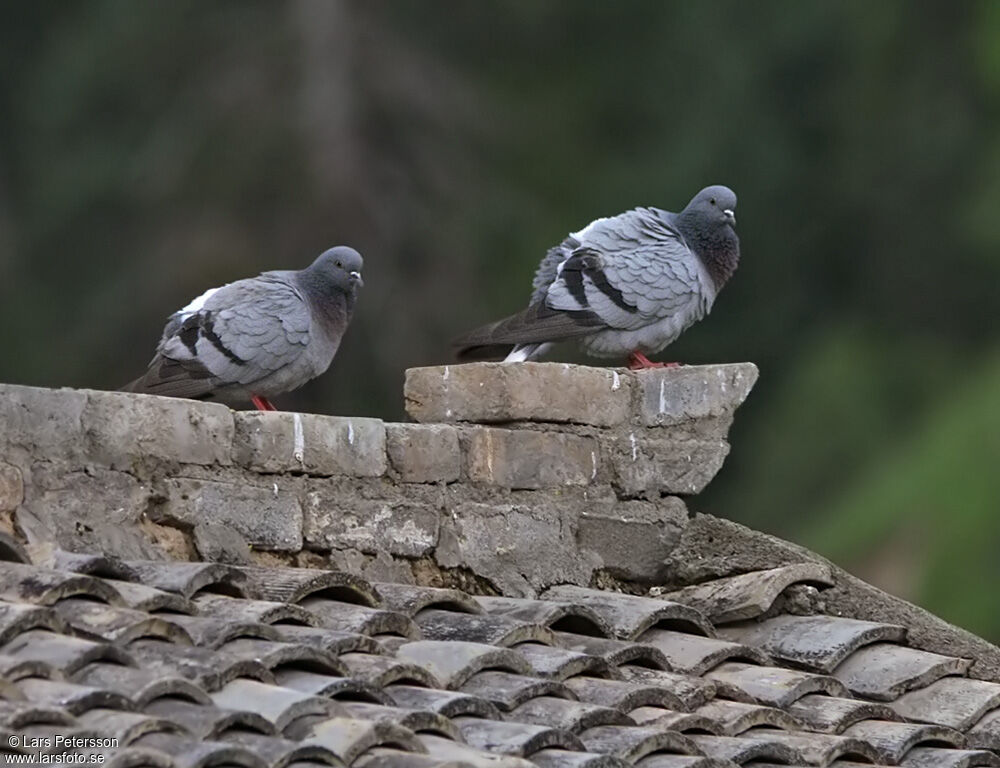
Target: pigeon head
[338, 267]
[708, 224]
[712, 207]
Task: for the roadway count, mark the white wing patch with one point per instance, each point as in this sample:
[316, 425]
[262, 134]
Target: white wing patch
[579, 236]
[519, 354]
[197, 304]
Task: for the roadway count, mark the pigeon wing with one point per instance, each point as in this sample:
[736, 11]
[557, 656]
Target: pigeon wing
[619, 273]
[630, 271]
[548, 268]
[242, 333]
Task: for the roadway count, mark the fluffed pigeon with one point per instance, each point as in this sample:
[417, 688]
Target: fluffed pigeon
[259, 337]
[627, 285]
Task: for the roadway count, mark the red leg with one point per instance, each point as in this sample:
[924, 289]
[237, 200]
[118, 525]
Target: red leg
[638, 361]
[262, 403]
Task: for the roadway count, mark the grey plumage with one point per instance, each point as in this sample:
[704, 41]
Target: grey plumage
[622, 285]
[259, 337]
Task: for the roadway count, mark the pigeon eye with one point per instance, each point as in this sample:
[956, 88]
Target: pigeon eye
[712, 201]
[340, 264]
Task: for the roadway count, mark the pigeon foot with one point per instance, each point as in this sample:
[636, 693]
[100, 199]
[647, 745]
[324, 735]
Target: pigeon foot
[262, 403]
[638, 362]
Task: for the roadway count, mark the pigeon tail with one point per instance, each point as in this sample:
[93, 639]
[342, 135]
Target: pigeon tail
[133, 386]
[535, 325]
[483, 353]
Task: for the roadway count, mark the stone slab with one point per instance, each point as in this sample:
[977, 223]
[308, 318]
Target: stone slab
[113, 429]
[633, 538]
[42, 423]
[642, 464]
[520, 548]
[424, 453]
[217, 543]
[267, 515]
[124, 428]
[501, 392]
[278, 441]
[370, 526]
[523, 459]
[669, 396]
[11, 487]
[86, 510]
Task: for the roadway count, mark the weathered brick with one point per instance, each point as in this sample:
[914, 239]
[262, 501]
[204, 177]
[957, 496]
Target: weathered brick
[122, 428]
[277, 441]
[408, 529]
[500, 392]
[267, 516]
[218, 543]
[642, 464]
[515, 458]
[633, 538]
[519, 548]
[424, 453]
[708, 393]
[11, 487]
[81, 510]
[42, 422]
[113, 429]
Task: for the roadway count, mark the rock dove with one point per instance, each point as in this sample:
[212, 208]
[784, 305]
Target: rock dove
[627, 285]
[259, 337]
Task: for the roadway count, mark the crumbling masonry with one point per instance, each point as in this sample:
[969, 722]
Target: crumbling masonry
[514, 478]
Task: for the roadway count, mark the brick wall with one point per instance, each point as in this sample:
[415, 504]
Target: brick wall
[514, 477]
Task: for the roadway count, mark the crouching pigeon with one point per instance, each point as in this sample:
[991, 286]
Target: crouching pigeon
[259, 337]
[625, 286]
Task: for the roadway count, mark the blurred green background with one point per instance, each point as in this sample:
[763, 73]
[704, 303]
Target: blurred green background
[151, 150]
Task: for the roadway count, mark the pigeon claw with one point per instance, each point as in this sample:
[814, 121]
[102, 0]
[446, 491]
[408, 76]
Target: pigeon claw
[638, 362]
[262, 403]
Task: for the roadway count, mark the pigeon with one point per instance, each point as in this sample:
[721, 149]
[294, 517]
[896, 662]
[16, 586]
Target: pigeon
[623, 286]
[257, 338]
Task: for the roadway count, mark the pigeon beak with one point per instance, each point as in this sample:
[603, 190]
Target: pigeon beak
[356, 277]
[730, 216]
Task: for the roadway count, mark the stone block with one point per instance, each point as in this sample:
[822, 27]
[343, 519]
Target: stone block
[424, 453]
[645, 465]
[91, 510]
[518, 548]
[516, 458]
[503, 392]
[372, 568]
[218, 543]
[278, 441]
[669, 396]
[44, 423]
[124, 428]
[268, 516]
[633, 538]
[335, 520]
[11, 487]
[113, 429]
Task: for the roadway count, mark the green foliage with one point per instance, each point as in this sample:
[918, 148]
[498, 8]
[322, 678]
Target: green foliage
[148, 150]
[940, 482]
